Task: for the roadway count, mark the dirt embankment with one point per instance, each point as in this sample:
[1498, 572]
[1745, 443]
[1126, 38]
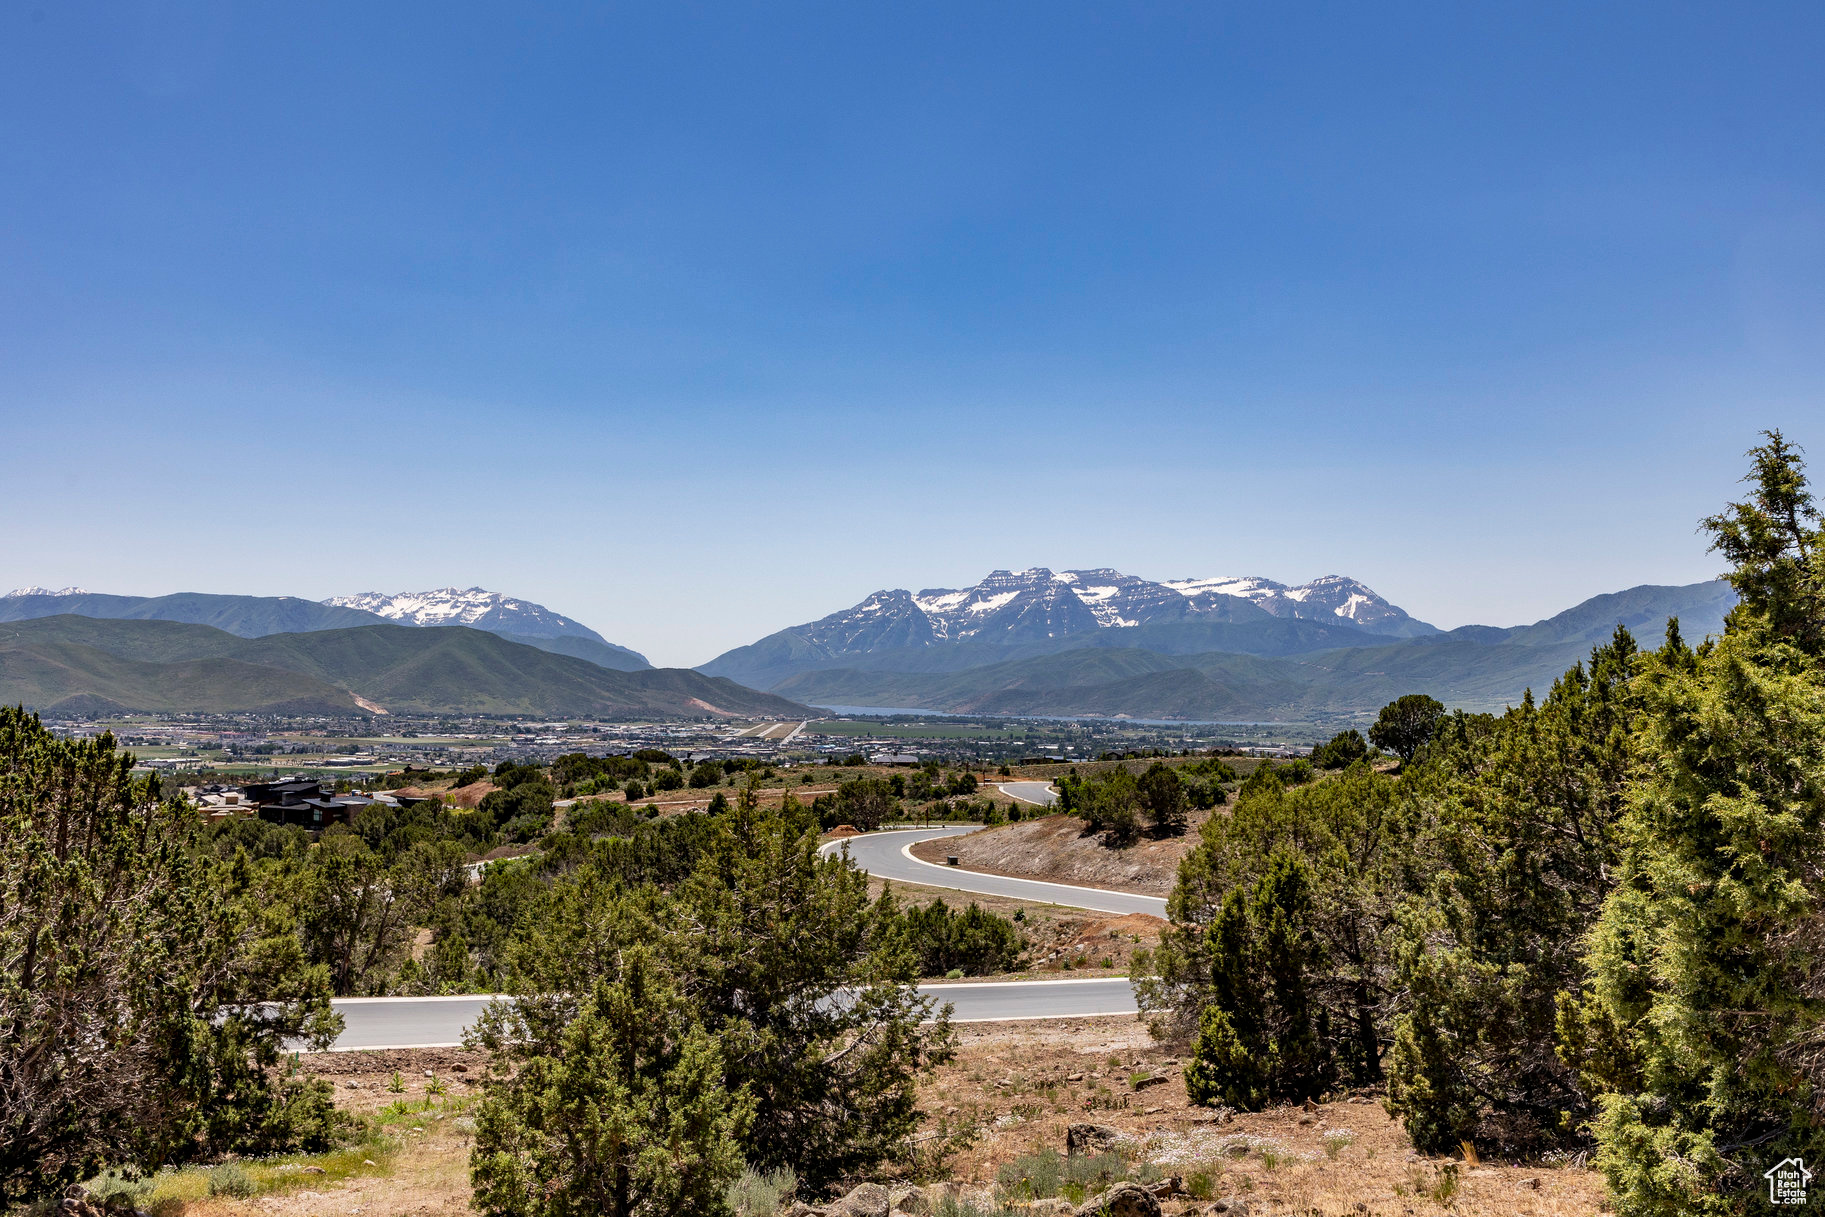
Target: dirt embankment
[1057, 849]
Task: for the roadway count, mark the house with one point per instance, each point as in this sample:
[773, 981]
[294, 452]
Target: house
[305, 802]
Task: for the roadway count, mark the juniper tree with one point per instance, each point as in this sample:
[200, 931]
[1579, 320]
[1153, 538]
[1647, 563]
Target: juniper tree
[1350, 842]
[625, 1114]
[1518, 844]
[146, 991]
[1405, 724]
[1261, 1036]
[805, 982]
[1705, 1015]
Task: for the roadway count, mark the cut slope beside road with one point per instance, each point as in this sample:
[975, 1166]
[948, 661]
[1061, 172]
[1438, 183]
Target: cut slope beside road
[888, 855]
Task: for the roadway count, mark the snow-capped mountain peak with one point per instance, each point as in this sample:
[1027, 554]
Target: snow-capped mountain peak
[1039, 603]
[473, 606]
[45, 591]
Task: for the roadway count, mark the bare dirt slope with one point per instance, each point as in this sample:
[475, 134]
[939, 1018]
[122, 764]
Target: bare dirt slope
[1056, 848]
[1023, 1084]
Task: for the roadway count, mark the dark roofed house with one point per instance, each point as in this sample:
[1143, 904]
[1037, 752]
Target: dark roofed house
[305, 802]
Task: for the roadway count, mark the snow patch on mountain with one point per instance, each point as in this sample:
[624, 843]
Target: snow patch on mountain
[474, 606]
[1038, 603]
[45, 591]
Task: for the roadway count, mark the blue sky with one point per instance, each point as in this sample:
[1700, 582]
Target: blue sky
[695, 321]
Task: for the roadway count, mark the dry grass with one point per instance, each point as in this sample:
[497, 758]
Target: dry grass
[1015, 1086]
[1021, 1084]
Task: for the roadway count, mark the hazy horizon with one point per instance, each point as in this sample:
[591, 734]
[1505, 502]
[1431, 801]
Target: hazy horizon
[696, 324]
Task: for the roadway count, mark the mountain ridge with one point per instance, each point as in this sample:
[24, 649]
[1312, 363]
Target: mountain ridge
[1290, 669]
[68, 662]
[511, 618]
[1036, 610]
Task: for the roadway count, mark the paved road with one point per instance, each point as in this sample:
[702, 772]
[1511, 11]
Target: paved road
[1039, 793]
[438, 1022]
[886, 855]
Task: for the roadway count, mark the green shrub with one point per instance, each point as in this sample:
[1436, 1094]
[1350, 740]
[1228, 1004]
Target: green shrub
[1032, 1176]
[129, 1187]
[761, 1193]
[231, 1179]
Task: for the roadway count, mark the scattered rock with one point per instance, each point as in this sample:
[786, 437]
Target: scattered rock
[459, 1068]
[1052, 1206]
[1533, 1183]
[908, 1200]
[1076, 1077]
[1090, 1139]
[315, 1170]
[1122, 1200]
[1170, 1186]
[801, 1209]
[354, 1085]
[1231, 1206]
[430, 1073]
[1145, 1083]
[865, 1200]
[1217, 1115]
[1153, 1111]
[1308, 1119]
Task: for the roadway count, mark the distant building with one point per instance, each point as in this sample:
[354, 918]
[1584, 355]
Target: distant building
[893, 758]
[305, 802]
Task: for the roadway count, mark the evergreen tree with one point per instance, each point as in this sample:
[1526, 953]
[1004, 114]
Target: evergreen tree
[1261, 1037]
[626, 1115]
[1350, 844]
[1704, 1012]
[1163, 795]
[1405, 724]
[146, 992]
[1343, 750]
[805, 982]
[1519, 839]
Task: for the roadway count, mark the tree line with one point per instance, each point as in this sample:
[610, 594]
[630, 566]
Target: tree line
[1590, 922]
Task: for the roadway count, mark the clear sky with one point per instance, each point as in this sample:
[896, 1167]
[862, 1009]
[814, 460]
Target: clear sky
[694, 321]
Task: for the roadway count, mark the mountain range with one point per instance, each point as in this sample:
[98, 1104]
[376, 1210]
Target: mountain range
[258, 616]
[1082, 642]
[1100, 643]
[84, 665]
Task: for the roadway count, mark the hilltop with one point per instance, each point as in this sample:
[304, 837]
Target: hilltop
[71, 664]
[258, 616]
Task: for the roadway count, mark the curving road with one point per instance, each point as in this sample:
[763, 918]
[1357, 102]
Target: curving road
[438, 1022]
[1040, 794]
[888, 855]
